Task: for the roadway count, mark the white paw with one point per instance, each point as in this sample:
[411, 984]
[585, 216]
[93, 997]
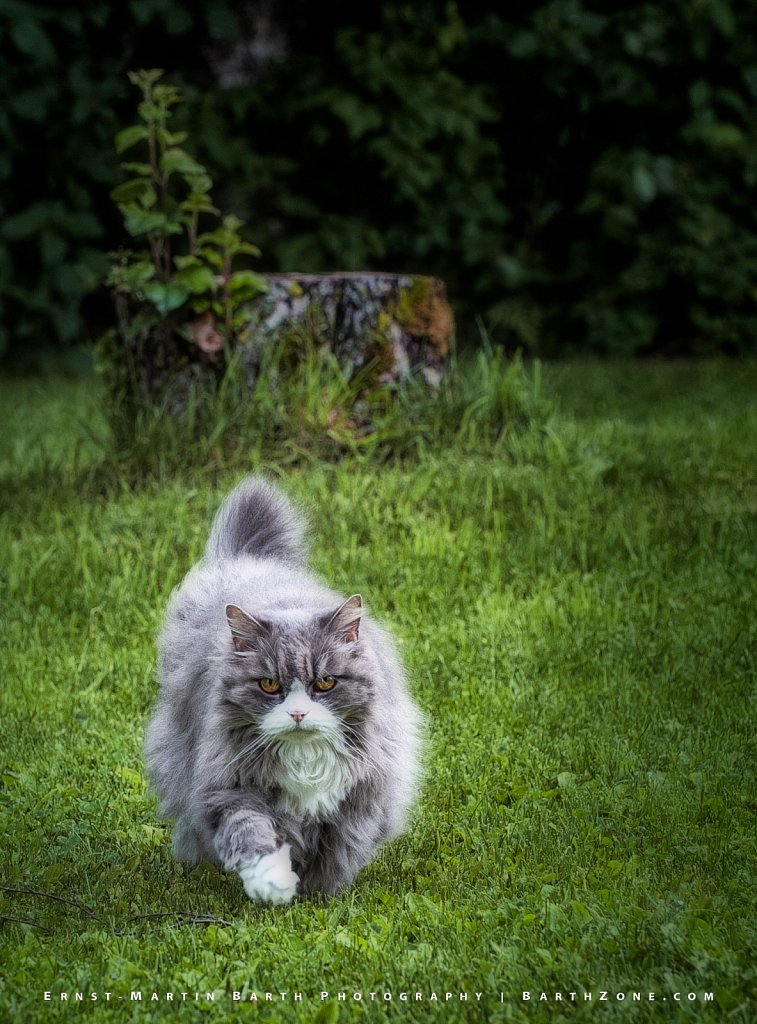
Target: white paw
[269, 876]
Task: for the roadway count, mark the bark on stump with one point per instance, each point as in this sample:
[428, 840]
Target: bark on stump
[399, 324]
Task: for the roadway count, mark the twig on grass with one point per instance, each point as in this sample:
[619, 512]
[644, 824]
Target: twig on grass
[53, 896]
[186, 917]
[22, 920]
[183, 916]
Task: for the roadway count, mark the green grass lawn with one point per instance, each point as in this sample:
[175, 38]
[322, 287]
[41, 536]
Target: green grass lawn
[576, 608]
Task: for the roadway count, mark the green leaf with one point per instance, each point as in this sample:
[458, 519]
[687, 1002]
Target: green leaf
[182, 262]
[132, 276]
[130, 137]
[145, 77]
[31, 40]
[197, 279]
[198, 203]
[128, 191]
[176, 159]
[248, 248]
[245, 284]
[644, 183]
[138, 221]
[138, 168]
[215, 259]
[165, 297]
[26, 223]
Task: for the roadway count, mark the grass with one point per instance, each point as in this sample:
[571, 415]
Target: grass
[575, 604]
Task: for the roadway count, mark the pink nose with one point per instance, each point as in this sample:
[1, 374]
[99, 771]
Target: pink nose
[297, 715]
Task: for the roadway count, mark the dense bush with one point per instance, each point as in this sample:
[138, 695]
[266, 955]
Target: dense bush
[581, 176]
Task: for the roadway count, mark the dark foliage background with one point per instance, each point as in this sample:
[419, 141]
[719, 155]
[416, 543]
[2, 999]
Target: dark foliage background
[582, 175]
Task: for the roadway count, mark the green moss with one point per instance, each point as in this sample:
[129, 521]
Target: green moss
[411, 296]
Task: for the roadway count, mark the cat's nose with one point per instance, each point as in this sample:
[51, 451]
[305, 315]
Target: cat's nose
[297, 715]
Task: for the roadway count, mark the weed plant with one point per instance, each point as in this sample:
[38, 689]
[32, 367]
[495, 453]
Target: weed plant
[572, 586]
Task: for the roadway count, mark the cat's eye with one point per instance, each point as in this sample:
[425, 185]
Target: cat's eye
[324, 683]
[269, 685]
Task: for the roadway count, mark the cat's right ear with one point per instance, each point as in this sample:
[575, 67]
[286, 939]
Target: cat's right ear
[246, 631]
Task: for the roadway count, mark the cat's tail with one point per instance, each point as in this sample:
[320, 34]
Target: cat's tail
[257, 519]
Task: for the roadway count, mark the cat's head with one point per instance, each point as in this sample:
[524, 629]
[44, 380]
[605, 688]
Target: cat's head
[299, 679]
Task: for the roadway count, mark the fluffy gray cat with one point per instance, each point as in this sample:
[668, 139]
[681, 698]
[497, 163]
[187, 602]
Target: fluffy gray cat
[284, 744]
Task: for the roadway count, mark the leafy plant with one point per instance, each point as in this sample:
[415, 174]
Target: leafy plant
[162, 204]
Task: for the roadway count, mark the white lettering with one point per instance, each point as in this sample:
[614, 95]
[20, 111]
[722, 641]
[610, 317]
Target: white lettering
[526, 996]
[78, 997]
[677, 996]
[620, 996]
[135, 997]
[708, 997]
[48, 997]
[341, 996]
[463, 997]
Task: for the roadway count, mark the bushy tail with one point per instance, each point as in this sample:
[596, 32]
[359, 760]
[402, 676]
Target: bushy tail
[257, 519]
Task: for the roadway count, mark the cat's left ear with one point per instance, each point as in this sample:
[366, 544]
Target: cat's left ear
[345, 622]
[246, 631]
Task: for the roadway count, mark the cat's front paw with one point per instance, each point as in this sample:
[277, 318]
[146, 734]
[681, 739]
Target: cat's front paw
[268, 877]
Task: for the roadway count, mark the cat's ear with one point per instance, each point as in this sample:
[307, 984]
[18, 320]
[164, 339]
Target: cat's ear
[246, 631]
[345, 621]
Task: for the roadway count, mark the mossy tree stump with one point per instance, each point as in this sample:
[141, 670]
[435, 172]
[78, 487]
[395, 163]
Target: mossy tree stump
[394, 324]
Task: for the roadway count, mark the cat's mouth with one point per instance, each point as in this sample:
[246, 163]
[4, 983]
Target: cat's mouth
[300, 731]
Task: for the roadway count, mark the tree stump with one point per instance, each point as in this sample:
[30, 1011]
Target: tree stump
[393, 325]
[403, 324]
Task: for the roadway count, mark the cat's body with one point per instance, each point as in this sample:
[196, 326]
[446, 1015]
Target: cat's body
[284, 744]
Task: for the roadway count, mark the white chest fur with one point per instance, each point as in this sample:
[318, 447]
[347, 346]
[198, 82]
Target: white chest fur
[313, 780]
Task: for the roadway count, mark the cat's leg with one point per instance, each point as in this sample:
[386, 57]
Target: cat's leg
[246, 841]
[343, 849]
[187, 847]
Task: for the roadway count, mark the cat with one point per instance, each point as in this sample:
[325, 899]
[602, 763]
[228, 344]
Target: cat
[284, 744]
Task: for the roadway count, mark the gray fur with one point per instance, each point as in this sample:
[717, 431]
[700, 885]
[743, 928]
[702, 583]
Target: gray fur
[232, 786]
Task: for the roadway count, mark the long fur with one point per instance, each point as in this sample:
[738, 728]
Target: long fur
[239, 780]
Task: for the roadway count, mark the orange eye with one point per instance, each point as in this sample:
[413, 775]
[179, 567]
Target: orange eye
[269, 685]
[324, 683]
